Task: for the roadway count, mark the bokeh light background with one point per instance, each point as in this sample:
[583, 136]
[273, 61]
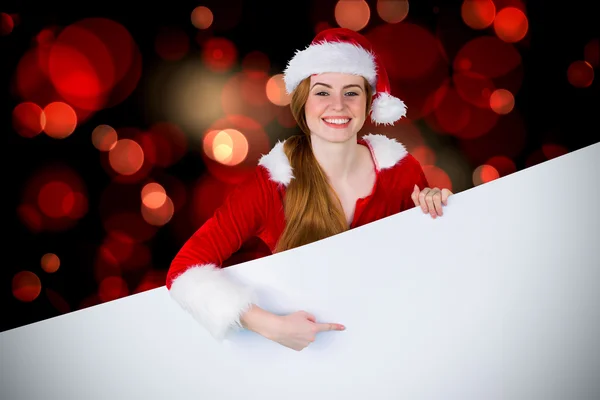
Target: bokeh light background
[129, 125]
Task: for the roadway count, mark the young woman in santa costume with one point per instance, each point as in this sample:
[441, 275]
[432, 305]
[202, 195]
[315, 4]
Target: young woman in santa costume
[319, 183]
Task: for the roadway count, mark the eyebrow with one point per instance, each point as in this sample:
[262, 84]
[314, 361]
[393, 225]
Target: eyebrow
[330, 87]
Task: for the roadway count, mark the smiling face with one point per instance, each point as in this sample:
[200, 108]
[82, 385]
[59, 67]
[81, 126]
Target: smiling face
[336, 106]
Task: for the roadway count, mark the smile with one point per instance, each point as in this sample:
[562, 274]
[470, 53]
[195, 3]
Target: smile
[337, 122]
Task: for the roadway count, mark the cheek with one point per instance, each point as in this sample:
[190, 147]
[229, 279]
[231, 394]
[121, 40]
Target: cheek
[314, 108]
[358, 107]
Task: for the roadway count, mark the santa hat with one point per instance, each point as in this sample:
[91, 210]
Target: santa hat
[346, 51]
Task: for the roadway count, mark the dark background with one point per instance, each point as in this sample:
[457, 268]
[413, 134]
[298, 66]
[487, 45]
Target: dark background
[552, 111]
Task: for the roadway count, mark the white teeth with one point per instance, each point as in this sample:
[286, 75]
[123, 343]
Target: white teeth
[337, 121]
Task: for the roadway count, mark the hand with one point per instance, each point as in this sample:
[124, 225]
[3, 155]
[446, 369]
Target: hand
[431, 200]
[299, 329]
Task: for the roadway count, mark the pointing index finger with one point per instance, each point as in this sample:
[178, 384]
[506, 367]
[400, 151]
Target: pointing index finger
[322, 327]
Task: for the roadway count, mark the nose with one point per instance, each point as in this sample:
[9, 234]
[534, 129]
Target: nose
[337, 101]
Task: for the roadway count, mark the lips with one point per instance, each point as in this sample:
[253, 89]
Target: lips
[337, 123]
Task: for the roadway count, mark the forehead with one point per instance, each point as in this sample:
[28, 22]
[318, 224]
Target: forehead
[337, 79]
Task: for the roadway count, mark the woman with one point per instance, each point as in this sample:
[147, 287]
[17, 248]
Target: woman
[319, 183]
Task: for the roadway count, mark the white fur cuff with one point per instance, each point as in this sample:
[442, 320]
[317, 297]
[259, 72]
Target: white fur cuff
[212, 298]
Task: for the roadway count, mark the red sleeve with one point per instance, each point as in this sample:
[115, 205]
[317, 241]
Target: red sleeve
[239, 218]
[195, 279]
[411, 174]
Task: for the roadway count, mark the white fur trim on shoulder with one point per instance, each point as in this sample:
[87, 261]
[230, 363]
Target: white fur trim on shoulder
[330, 57]
[387, 109]
[387, 150]
[213, 299]
[278, 165]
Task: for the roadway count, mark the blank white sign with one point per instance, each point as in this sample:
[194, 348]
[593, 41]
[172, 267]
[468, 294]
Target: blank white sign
[497, 299]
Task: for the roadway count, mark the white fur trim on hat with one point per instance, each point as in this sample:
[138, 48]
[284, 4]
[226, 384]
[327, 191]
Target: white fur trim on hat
[330, 57]
[213, 299]
[387, 109]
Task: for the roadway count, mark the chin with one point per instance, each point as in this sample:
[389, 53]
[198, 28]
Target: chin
[336, 137]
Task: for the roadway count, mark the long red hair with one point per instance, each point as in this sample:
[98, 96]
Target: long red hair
[312, 209]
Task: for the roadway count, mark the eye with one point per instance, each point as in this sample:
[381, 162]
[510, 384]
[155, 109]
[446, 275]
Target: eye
[321, 94]
[352, 94]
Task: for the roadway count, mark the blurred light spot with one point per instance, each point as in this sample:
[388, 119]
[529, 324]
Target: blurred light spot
[138, 155]
[245, 94]
[26, 286]
[424, 154]
[112, 288]
[171, 43]
[6, 24]
[61, 120]
[28, 119]
[452, 113]
[591, 52]
[580, 74]
[407, 50]
[276, 92]
[185, 89]
[50, 262]
[228, 146]
[126, 157]
[30, 217]
[502, 101]
[202, 17]
[487, 56]
[437, 177]
[57, 301]
[120, 254]
[256, 62]
[254, 89]
[104, 137]
[45, 37]
[158, 216]
[392, 11]
[474, 88]
[258, 141]
[56, 199]
[484, 174]
[321, 26]
[352, 14]
[175, 187]
[124, 58]
[511, 24]
[454, 116]
[81, 68]
[552, 150]
[219, 54]
[478, 14]
[503, 165]
[30, 81]
[117, 247]
[153, 195]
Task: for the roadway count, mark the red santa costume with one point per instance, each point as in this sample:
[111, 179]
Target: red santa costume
[255, 208]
